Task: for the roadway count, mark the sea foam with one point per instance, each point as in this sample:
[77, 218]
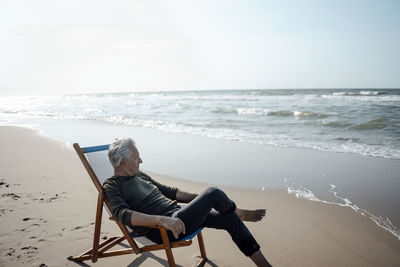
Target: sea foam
[302, 192]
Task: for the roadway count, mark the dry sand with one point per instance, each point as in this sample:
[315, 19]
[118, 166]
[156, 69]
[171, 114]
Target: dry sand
[47, 210]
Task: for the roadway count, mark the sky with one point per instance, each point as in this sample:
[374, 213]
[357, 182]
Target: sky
[51, 47]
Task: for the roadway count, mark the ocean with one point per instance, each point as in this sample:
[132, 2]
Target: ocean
[359, 121]
[337, 146]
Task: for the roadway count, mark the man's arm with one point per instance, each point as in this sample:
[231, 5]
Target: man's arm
[184, 197]
[174, 224]
[171, 223]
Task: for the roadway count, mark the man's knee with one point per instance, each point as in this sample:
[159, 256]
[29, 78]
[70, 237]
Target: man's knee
[219, 200]
[214, 191]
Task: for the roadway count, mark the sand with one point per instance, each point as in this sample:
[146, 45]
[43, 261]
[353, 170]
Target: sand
[47, 210]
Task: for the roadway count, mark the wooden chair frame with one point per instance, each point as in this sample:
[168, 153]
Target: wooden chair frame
[102, 250]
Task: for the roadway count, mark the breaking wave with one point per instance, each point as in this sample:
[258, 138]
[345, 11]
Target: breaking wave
[282, 113]
[361, 93]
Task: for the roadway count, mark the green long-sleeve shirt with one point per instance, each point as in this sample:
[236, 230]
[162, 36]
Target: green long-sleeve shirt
[138, 193]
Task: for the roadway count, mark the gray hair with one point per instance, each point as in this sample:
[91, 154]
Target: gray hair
[120, 149]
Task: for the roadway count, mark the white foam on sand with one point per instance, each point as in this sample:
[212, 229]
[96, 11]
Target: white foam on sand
[302, 192]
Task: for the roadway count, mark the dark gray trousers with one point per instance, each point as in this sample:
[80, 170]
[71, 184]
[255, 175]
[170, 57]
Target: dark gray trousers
[213, 209]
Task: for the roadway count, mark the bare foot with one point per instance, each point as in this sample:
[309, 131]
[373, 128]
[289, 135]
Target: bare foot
[251, 215]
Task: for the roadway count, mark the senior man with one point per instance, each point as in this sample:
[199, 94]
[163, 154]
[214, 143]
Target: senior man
[138, 201]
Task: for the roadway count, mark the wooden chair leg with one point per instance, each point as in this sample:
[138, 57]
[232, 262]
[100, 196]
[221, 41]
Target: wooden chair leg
[167, 247]
[201, 245]
[202, 250]
[97, 227]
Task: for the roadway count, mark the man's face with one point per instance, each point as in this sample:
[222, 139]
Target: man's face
[133, 162]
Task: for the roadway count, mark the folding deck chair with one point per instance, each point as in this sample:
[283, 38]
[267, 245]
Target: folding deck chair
[98, 167]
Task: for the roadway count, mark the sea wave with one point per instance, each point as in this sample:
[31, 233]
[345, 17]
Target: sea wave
[347, 139]
[283, 113]
[371, 125]
[201, 97]
[252, 111]
[371, 93]
[343, 93]
[308, 114]
[336, 124]
[260, 111]
[223, 110]
[362, 93]
[280, 113]
[381, 98]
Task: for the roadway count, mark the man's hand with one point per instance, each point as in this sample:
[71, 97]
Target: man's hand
[174, 224]
[170, 223]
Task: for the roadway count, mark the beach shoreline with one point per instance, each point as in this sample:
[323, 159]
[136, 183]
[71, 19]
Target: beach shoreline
[367, 184]
[43, 184]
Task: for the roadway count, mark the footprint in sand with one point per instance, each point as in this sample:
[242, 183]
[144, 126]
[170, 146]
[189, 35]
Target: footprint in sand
[37, 223]
[53, 198]
[78, 227]
[8, 252]
[28, 227]
[43, 197]
[4, 211]
[3, 183]
[25, 253]
[35, 237]
[34, 219]
[30, 253]
[81, 226]
[11, 195]
[29, 249]
[46, 198]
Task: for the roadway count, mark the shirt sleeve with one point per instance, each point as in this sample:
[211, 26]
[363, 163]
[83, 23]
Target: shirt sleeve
[120, 208]
[169, 192]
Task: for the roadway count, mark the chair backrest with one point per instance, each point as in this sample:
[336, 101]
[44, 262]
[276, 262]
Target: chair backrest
[95, 160]
[98, 159]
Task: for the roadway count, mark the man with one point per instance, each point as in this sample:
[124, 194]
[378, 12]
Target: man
[138, 201]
